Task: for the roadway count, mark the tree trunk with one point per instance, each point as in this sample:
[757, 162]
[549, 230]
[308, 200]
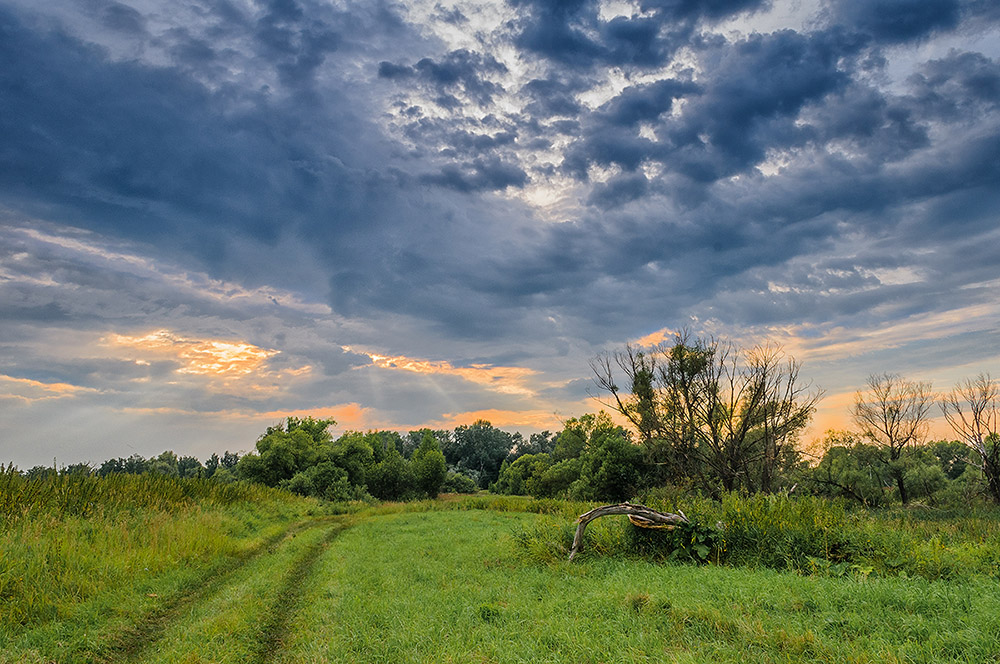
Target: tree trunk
[638, 515]
[904, 496]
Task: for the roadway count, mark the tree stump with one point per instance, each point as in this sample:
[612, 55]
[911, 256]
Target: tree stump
[638, 515]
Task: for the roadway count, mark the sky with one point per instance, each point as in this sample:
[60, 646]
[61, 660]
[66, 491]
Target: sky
[218, 213]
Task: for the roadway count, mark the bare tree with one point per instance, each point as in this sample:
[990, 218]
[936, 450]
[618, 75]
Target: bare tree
[892, 413]
[709, 412]
[973, 411]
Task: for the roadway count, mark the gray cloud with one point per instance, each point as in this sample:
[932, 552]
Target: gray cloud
[304, 177]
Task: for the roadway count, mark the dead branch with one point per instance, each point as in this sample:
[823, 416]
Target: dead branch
[639, 515]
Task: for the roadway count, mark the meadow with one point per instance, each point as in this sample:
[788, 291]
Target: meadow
[147, 569]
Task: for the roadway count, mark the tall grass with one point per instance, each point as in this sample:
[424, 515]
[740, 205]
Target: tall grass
[77, 494]
[809, 535]
[80, 548]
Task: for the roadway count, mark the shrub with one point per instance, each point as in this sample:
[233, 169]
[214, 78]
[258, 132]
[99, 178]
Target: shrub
[459, 483]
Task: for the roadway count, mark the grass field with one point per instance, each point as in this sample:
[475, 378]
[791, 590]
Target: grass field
[269, 578]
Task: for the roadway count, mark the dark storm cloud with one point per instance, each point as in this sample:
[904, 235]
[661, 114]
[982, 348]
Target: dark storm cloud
[220, 168]
[150, 153]
[959, 86]
[296, 47]
[112, 131]
[748, 103]
[479, 175]
[618, 191]
[571, 33]
[459, 71]
[892, 21]
[122, 17]
[554, 96]
[645, 103]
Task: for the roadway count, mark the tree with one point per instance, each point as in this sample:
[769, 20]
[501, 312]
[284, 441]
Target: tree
[390, 478]
[850, 469]
[324, 480]
[516, 477]
[353, 452]
[478, 451]
[212, 465]
[165, 464]
[381, 441]
[610, 467]
[411, 441]
[40, 472]
[109, 467]
[458, 483]
[952, 456]
[972, 409]
[538, 443]
[189, 466]
[709, 412]
[428, 466]
[892, 413]
[555, 481]
[286, 449]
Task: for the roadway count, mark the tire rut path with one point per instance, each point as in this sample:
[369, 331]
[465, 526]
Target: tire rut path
[129, 644]
[289, 597]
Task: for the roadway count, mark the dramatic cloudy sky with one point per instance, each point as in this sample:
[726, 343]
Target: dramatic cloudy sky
[215, 213]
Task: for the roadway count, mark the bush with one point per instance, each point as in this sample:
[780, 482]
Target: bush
[686, 542]
[459, 483]
[390, 478]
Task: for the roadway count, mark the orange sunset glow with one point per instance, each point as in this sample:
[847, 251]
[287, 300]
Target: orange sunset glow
[507, 380]
[213, 357]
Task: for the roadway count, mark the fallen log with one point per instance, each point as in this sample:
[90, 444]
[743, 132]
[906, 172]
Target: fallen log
[638, 515]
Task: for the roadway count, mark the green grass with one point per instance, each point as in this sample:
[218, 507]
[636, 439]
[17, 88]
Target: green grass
[84, 562]
[454, 587]
[244, 619]
[188, 573]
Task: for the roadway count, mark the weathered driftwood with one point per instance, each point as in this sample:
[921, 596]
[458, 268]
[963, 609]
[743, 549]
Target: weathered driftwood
[639, 515]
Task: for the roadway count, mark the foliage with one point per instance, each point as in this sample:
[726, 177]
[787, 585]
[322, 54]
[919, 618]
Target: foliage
[538, 443]
[593, 459]
[952, 457]
[610, 467]
[892, 414]
[936, 473]
[391, 478]
[693, 541]
[428, 467]
[478, 450]
[710, 413]
[518, 478]
[287, 449]
[458, 483]
[325, 480]
[972, 409]
[411, 441]
[849, 468]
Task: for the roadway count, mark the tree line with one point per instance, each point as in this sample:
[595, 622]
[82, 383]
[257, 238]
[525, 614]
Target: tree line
[711, 416]
[701, 414]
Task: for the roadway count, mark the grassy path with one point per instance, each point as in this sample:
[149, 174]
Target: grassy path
[233, 611]
[290, 594]
[144, 635]
[240, 617]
